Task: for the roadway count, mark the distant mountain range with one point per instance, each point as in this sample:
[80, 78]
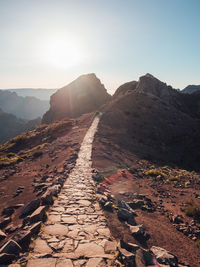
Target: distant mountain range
[40, 93]
[27, 108]
[10, 125]
[21, 113]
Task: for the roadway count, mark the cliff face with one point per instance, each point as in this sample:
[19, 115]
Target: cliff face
[84, 95]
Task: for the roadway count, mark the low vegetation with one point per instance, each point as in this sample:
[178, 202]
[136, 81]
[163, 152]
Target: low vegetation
[193, 209]
[7, 160]
[173, 175]
[197, 243]
[156, 173]
[32, 144]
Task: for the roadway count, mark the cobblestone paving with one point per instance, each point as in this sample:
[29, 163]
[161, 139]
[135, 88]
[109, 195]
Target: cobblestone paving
[76, 233]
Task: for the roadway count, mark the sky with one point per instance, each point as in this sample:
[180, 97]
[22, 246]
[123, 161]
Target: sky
[49, 43]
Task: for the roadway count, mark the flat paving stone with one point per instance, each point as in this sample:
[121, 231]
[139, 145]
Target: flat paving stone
[56, 229]
[41, 247]
[48, 262]
[64, 263]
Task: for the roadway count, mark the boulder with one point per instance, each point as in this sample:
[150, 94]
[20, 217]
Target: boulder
[47, 197]
[38, 215]
[11, 228]
[129, 246]
[136, 204]
[2, 235]
[137, 230]
[30, 207]
[164, 257]
[5, 222]
[35, 228]
[6, 258]
[144, 258]
[8, 211]
[177, 219]
[110, 246]
[125, 257]
[23, 238]
[11, 247]
[126, 215]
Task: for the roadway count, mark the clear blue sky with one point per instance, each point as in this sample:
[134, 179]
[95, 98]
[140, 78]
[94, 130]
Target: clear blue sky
[119, 40]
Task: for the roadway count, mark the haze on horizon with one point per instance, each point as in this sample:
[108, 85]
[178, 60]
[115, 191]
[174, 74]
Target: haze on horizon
[48, 43]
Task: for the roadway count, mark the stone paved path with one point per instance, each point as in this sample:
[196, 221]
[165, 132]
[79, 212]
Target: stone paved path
[76, 233]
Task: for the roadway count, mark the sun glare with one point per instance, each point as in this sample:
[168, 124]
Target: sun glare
[63, 53]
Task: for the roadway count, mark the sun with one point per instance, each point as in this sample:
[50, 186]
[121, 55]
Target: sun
[63, 53]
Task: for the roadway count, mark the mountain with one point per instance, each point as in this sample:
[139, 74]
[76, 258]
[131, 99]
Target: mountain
[11, 126]
[84, 95]
[190, 89]
[23, 107]
[40, 93]
[153, 121]
[148, 84]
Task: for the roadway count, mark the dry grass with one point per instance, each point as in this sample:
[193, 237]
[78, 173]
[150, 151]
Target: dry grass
[156, 173]
[32, 144]
[193, 209]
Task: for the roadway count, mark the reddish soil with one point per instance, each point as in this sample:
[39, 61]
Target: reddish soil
[168, 196]
[50, 163]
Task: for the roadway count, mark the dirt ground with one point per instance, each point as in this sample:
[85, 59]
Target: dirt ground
[63, 149]
[169, 198]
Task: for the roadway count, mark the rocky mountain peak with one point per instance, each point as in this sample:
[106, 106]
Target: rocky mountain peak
[83, 95]
[149, 84]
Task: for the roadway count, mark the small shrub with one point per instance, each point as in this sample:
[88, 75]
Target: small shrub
[156, 173]
[193, 209]
[187, 183]
[197, 243]
[98, 178]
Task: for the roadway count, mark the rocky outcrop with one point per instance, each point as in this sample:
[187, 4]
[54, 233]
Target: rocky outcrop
[84, 95]
[125, 89]
[191, 89]
[148, 84]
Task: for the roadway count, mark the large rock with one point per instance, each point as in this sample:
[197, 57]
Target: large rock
[8, 211]
[137, 229]
[129, 246]
[5, 222]
[164, 257]
[2, 235]
[126, 257]
[23, 237]
[47, 197]
[6, 259]
[30, 207]
[38, 215]
[144, 258]
[11, 247]
[84, 95]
